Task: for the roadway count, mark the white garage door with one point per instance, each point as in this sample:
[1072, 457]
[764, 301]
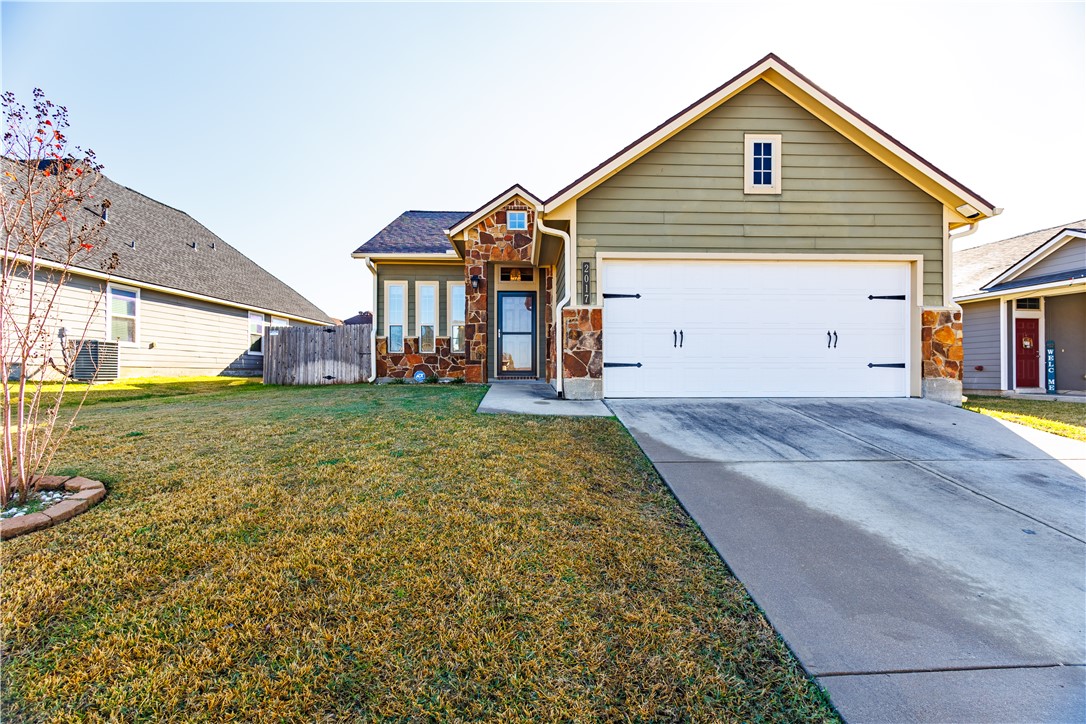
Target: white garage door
[755, 329]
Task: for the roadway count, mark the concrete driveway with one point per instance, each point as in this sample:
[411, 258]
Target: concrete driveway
[925, 563]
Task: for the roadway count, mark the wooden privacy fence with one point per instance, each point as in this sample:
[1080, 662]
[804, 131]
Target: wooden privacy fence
[317, 355]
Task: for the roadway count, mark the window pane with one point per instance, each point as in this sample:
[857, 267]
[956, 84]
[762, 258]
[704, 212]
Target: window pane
[427, 304]
[395, 338]
[123, 330]
[458, 338]
[395, 309]
[256, 343]
[426, 338]
[516, 313]
[767, 163]
[120, 305]
[459, 304]
[516, 353]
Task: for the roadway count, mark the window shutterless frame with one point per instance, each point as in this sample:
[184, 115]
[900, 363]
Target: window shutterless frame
[457, 312]
[257, 323]
[426, 325]
[516, 220]
[762, 163]
[395, 314]
[123, 314]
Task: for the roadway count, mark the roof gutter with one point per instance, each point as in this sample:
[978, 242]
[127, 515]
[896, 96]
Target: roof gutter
[968, 232]
[373, 322]
[559, 342]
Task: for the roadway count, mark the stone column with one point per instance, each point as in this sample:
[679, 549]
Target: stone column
[582, 358]
[942, 354]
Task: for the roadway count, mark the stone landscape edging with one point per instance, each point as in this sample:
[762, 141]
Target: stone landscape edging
[86, 493]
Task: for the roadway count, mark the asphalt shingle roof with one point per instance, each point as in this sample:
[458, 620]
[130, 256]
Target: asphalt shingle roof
[161, 245]
[979, 265]
[414, 232]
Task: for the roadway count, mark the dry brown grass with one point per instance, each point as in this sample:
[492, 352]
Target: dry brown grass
[377, 553]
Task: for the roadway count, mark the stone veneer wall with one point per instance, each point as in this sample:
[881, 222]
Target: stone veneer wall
[441, 363]
[942, 354]
[582, 359]
[489, 241]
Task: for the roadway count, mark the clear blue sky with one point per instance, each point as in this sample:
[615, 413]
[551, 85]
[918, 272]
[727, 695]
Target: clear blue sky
[296, 132]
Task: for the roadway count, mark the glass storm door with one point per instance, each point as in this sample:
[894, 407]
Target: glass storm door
[516, 333]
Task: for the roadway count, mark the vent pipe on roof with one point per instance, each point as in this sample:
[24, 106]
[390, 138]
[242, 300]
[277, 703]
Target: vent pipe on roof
[106, 203]
[193, 245]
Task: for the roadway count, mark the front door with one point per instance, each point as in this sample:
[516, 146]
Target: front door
[1027, 355]
[516, 334]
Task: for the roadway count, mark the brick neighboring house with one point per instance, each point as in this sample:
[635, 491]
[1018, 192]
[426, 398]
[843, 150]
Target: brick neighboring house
[765, 241]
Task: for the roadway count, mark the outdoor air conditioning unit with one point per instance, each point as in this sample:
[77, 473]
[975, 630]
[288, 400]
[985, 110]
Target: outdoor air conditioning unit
[97, 361]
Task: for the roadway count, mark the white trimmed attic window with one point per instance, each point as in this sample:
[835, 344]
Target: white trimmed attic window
[762, 163]
[516, 220]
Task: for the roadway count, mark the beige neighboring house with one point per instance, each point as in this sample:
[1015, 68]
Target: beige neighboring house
[181, 302]
[766, 240]
[1019, 296]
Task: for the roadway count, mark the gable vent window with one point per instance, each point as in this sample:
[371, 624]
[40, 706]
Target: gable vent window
[516, 220]
[1029, 303]
[762, 163]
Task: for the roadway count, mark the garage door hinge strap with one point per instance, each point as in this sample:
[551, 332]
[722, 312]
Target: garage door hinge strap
[900, 297]
[899, 365]
[621, 296]
[621, 364]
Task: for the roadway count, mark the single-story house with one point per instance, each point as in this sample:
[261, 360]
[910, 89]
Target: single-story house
[766, 240]
[181, 301]
[1023, 301]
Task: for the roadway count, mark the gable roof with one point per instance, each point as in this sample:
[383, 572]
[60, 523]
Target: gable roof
[801, 90]
[977, 267]
[159, 245]
[501, 199]
[413, 232]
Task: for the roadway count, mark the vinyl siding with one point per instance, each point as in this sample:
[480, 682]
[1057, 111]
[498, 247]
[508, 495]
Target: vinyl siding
[412, 273]
[189, 337]
[980, 339]
[560, 275]
[687, 195]
[1065, 324]
[1068, 258]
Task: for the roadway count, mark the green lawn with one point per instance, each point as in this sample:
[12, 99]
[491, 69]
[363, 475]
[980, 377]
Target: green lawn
[345, 553]
[1062, 418]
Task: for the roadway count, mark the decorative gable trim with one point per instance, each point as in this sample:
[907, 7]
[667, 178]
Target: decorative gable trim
[802, 91]
[1049, 247]
[490, 206]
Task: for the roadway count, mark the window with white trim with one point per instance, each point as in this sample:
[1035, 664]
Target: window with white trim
[280, 322]
[257, 322]
[426, 315]
[762, 163]
[516, 220]
[395, 314]
[122, 313]
[457, 315]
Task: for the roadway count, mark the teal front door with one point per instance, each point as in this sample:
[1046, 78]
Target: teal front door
[516, 334]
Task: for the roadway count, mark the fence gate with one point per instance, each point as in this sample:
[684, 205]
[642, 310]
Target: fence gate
[317, 355]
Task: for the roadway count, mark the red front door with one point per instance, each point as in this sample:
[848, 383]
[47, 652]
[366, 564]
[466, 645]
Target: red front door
[1027, 355]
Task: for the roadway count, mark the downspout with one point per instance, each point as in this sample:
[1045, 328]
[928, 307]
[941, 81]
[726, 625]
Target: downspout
[373, 323]
[558, 342]
[962, 234]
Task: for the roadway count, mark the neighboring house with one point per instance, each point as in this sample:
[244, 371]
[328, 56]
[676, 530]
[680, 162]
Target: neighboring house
[1018, 296]
[181, 302]
[764, 241]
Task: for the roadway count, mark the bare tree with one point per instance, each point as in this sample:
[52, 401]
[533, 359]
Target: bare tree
[49, 229]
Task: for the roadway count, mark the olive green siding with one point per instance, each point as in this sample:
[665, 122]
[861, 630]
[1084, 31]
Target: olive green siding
[412, 273]
[560, 276]
[686, 195]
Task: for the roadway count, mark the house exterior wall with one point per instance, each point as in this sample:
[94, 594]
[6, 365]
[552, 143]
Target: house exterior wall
[176, 336]
[981, 341]
[412, 273]
[1065, 324]
[1068, 258]
[687, 196]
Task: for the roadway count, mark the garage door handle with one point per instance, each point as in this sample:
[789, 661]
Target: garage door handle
[674, 338]
[835, 339]
[680, 339]
[829, 339]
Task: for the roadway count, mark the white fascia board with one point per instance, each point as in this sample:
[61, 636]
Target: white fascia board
[1020, 291]
[699, 110]
[1049, 247]
[111, 279]
[485, 211]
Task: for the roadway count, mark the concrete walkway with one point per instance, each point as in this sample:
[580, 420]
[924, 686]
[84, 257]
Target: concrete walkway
[924, 563]
[532, 397]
